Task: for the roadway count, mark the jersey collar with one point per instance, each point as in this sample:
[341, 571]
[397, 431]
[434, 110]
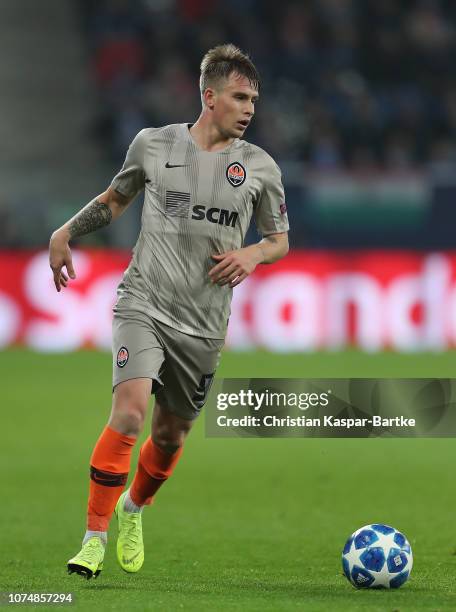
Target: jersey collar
[188, 137]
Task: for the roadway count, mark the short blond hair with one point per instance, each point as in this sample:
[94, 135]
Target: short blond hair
[221, 61]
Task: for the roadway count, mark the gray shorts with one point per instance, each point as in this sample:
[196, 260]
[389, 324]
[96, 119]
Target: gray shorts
[181, 366]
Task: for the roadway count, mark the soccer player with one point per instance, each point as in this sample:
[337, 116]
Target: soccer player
[201, 184]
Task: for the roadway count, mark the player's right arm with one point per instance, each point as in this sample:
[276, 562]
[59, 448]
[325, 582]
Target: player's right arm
[99, 212]
[96, 214]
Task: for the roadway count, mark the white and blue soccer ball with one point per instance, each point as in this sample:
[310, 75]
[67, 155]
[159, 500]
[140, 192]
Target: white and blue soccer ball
[377, 556]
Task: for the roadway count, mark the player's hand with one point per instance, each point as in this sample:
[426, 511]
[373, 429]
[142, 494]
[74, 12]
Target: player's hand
[234, 266]
[60, 256]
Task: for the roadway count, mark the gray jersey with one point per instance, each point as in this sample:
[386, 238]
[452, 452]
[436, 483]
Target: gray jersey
[196, 204]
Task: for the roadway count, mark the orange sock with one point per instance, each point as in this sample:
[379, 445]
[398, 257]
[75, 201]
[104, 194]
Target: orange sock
[109, 467]
[154, 467]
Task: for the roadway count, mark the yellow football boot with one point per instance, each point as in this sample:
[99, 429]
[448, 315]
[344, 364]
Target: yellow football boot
[89, 560]
[130, 547]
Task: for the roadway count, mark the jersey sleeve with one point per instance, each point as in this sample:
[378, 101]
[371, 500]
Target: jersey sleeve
[271, 211]
[131, 178]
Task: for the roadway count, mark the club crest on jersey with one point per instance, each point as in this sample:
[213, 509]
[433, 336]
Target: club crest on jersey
[122, 357]
[235, 173]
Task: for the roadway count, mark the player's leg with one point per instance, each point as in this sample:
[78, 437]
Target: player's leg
[157, 459]
[189, 368]
[110, 461]
[137, 358]
[159, 455]
[129, 406]
[109, 467]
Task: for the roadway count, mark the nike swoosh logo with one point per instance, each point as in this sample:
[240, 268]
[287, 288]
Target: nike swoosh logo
[128, 561]
[168, 165]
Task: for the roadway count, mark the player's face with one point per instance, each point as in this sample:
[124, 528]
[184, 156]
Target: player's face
[234, 105]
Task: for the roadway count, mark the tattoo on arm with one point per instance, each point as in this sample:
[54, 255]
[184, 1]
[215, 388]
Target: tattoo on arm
[92, 217]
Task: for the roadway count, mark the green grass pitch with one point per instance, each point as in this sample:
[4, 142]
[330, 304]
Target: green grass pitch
[244, 524]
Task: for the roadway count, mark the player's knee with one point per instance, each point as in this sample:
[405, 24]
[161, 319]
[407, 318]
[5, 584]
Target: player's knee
[168, 431]
[167, 440]
[129, 411]
[128, 420]
[134, 416]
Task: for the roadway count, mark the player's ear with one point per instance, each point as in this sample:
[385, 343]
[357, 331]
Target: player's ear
[209, 98]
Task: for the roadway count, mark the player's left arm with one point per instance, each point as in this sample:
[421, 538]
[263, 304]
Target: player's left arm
[272, 223]
[234, 266]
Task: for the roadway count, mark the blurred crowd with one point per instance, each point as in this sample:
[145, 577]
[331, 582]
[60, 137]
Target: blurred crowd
[345, 83]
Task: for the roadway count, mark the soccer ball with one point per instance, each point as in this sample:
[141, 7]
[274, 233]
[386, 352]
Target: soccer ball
[377, 556]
